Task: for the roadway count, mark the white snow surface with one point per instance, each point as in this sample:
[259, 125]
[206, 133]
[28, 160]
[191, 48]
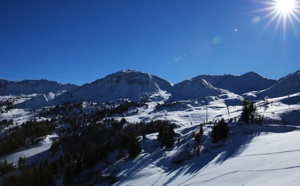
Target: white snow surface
[289, 84]
[267, 159]
[265, 154]
[37, 153]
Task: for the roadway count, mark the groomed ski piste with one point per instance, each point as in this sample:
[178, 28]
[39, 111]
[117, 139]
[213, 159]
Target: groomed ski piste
[254, 154]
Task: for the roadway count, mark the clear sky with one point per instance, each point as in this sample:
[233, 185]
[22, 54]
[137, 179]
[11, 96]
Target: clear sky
[79, 41]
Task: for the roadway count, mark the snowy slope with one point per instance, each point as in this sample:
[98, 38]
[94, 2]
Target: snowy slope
[33, 86]
[163, 84]
[42, 100]
[239, 84]
[34, 154]
[260, 158]
[289, 84]
[252, 155]
[195, 88]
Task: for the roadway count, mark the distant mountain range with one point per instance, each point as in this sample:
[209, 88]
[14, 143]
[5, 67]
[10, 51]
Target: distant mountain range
[239, 84]
[32, 87]
[136, 85]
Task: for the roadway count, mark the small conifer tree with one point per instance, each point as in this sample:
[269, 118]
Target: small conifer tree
[134, 146]
[220, 131]
[248, 112]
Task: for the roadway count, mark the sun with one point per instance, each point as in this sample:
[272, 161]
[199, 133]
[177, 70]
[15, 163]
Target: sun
[285, 7]
[282, 12]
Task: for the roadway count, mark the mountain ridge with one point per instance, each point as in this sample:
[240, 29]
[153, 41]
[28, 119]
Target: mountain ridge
[286, 85]
[135, 85]
[41, 86]
[237, 84]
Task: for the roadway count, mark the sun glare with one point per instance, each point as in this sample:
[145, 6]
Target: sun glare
[282, 12]
[285, 6]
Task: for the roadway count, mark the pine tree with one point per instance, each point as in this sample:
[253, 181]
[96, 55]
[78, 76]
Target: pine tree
[248, 112]
[252, 112]
[220, 131]
[201, 129]
[21, 162]
[160, 133]
[198, 139]
[167, 137]
[245, 112]
[134, 146]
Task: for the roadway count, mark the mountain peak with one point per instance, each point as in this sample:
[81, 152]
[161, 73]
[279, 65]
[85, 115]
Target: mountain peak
[124, 84]
[251, 74]
[193, 88]
[122, 72]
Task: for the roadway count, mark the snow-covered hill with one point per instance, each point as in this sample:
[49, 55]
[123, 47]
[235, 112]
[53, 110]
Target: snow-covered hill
[239, 84]
[252, 156]
[195, 88]
[287, 85]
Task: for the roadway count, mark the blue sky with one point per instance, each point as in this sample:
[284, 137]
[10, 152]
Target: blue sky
[79, 41]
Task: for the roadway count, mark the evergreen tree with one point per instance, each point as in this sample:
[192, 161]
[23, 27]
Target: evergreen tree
[160, 133]
[167, 136]
[248, 112]
[220, 131]
[21, 162]
[252, 112]
[198, 141]
[245, 112]
[134, 146]
[201, 129]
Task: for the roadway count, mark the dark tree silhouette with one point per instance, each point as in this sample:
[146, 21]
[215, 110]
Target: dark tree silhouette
[134, 146]
[249, 112]
[220, 131]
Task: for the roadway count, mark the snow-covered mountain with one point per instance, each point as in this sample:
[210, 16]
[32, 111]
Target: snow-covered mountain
[121, 85]
[32, 87]
[239, 84]
[287, 85]
[136, 85]
[195, 88]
